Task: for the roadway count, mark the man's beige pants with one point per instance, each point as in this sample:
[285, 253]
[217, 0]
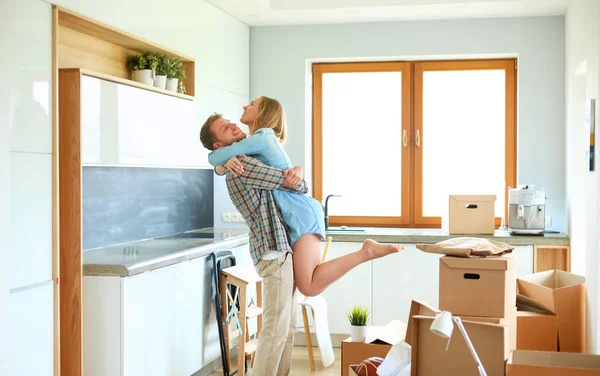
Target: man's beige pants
[276, 339]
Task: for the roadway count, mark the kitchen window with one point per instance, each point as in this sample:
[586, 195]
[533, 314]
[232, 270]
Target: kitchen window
[396, 138]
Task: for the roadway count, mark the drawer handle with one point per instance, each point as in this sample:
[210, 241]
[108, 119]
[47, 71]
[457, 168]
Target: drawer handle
[471, 206]
[472, 276]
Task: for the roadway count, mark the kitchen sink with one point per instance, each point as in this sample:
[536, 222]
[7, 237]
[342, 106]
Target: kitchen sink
[345, 229]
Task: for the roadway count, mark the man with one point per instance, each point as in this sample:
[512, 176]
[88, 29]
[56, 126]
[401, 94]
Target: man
[250, 190]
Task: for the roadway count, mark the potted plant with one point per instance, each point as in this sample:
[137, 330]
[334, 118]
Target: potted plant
[143, 66]
[162, 68]
[358, 317]
[174, 73]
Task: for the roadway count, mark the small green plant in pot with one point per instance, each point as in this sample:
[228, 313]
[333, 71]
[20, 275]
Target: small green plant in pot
[358, 317]
[143, 66]
[162, 69]
[174, 73]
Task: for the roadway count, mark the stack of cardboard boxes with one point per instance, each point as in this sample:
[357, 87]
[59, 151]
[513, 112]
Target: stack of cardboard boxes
[482, 292]
[532, 325]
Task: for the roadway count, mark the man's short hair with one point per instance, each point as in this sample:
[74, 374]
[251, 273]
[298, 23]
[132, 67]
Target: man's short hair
[207, 136]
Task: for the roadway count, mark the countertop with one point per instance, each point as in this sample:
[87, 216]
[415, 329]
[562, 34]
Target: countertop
[125, 260]
[422, 235]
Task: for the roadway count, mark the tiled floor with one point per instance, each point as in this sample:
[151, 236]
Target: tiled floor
[301, 364]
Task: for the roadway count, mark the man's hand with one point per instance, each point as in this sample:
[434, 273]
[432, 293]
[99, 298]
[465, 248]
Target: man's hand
[293, 177]
[235, 166]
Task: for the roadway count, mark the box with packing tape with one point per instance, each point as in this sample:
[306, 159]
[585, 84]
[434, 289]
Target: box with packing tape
[377, 344]
[562, 294]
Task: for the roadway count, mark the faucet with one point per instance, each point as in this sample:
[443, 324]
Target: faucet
[325, 209]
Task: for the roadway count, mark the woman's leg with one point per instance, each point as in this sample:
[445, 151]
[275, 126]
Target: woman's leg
[312, 277]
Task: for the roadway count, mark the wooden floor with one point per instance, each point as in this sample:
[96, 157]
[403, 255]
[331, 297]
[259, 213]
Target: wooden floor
[301, 364]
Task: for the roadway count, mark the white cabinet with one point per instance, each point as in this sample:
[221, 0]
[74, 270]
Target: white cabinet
[161, 322]
[30, 219]
[352, 289]
[524, 259]
[125, 125]
[400, 278]
[30, 331]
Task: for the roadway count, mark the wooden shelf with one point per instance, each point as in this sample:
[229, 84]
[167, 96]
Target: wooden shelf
[124, 81]
[100, 49]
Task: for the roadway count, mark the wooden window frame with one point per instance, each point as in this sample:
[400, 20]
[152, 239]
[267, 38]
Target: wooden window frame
[412, 116]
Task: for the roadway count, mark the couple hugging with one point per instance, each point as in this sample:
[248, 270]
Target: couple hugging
[286, 225]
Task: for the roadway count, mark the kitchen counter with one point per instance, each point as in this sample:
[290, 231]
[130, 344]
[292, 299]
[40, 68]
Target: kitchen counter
[418, 235]
[125, 260]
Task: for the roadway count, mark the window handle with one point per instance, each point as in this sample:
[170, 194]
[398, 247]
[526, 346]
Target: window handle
[404, 138]
[418, 139]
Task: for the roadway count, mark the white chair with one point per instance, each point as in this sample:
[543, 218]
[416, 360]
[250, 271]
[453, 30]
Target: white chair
[317, 306]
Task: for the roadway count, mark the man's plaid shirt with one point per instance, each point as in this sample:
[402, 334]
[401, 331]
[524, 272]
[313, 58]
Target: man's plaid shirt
[251, 193]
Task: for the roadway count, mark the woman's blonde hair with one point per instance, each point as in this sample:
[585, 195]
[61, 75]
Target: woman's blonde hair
[271, 115]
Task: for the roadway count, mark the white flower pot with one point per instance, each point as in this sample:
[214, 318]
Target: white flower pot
[172, 84]
[358, 333]
[160, 82]
[144, 76]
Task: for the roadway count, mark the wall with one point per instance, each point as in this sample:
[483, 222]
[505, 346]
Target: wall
[278, 68]
[220, 45]
[582, 186]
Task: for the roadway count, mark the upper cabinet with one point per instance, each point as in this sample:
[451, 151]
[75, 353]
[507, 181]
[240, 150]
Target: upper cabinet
[123, 125]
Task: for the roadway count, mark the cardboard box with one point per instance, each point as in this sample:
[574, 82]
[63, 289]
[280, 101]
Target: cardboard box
[470, 214]
[510, 321]
[478, 286]
[418, 308]
[351, 371]
[560, 293]
[544, 363]
[378, 343]
[430, 358]
[537, 331]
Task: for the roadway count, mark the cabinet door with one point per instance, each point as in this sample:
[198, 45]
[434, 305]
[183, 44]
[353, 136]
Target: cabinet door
[31, 331]
[150, 305]
[352, 289]
[525, 259]
[400, 278]
[125, 125]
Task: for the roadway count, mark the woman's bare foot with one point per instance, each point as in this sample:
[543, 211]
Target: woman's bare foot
[375, 250]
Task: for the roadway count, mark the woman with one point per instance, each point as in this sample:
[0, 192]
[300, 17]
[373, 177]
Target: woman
[301, 213]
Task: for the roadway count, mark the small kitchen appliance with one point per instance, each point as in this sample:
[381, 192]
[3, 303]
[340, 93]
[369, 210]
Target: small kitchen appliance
[526, 210]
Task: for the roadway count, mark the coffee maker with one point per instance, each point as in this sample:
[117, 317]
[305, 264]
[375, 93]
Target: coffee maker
[526, 210]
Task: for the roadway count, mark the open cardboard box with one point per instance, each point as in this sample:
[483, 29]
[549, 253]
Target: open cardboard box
[559, 293]
[380, 340]
[419, 308]
[537, 331]
[545, 363]
[478, 286]
[430, 357]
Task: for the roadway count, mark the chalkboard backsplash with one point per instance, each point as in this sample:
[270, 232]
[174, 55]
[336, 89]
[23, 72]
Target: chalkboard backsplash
[123, 204]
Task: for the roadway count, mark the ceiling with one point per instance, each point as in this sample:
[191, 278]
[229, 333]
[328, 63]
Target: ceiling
[295, 12]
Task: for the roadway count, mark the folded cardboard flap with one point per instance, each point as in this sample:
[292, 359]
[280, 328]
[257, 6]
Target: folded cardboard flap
[555, 359]
[531, 305]
[418, 308]
[391, 334]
